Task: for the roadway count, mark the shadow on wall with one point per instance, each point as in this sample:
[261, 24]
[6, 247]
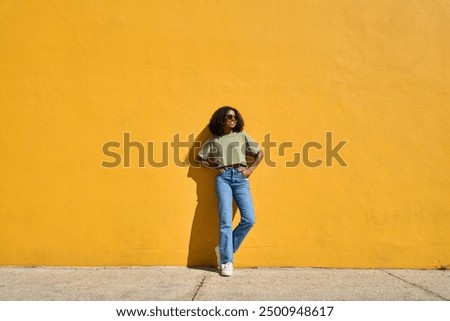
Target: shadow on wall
[205, 226]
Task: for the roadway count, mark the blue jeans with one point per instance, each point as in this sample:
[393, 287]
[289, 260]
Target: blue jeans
[232, 184]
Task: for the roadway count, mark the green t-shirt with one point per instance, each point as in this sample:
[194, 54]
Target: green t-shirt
[228, 149]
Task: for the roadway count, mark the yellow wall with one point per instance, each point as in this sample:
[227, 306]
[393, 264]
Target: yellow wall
[77, 74]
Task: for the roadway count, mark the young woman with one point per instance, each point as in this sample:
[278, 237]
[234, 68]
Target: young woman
[226, 152]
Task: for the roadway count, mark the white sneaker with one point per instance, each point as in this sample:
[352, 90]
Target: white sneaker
[227, 269]
[219, 262]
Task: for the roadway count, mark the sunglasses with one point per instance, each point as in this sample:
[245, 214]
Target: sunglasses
[230, 116]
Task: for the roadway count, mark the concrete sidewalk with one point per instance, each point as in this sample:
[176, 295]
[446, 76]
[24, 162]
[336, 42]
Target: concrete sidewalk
[181, 283]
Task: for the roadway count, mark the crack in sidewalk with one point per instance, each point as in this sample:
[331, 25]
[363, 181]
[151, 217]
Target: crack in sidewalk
[416, 285]
[199, 286]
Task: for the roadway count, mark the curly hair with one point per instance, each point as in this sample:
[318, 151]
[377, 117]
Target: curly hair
[217, 122]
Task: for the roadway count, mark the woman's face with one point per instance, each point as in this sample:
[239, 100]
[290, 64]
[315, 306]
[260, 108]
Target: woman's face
[230, 120]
